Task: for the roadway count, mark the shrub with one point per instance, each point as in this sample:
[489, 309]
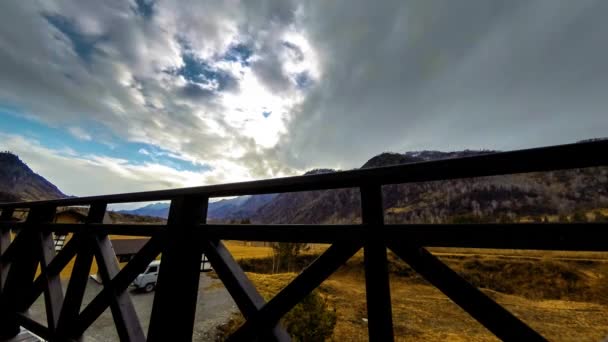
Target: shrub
[309, 321]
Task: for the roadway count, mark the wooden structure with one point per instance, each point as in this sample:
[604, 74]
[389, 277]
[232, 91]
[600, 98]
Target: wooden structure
[126, 249]
[186, 236]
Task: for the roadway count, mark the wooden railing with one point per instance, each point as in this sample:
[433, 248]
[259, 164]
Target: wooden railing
[186, 235]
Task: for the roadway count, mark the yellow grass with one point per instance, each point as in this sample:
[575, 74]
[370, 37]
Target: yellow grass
[239, 250]
[422, 313]
[521, 254]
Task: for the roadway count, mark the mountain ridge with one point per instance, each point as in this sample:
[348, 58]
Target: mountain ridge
[490, 199]
[487, 199]
[18, 182]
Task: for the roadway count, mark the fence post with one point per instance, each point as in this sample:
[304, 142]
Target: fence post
[377, 288]
[80, 274]
[20, 277]
[5, 240]
[175, 301]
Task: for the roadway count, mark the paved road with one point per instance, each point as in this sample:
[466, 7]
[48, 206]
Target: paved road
[214, 307]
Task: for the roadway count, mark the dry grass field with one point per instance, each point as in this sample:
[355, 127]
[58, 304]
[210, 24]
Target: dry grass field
[241, 251]
[423, 313]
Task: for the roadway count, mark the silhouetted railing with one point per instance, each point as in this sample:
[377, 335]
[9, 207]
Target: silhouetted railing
[186, 236]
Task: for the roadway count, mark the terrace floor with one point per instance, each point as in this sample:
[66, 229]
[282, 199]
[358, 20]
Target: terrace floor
[25, 336]
[214, 307]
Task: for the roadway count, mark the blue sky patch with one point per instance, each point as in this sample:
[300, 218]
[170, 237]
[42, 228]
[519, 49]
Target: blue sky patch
[198, 71]
[239, 53]
[266, 114]
[145, 8]
[60, 140]
[303, 80]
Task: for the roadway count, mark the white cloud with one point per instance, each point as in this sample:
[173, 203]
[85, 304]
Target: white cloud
[88, 175]
[126, 84]
[143, 151]
[83, 175]
[392, 76]
[79, 133]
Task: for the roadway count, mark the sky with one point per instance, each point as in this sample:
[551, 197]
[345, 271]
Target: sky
[130, 95]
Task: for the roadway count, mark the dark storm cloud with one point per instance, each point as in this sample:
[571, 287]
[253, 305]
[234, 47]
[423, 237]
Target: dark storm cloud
[451, 74]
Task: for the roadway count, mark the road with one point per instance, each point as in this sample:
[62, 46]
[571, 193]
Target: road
[214, 307]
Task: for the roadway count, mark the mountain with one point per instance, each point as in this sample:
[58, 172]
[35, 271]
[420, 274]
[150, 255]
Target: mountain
[242, 207]
[487, 199]
[226, 209]
[19, 183]
[154, 210]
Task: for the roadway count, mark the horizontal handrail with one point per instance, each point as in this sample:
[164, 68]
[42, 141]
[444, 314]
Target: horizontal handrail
[539, 236]
[571, 156]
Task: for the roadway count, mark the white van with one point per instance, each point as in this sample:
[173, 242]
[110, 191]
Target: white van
[147, 280]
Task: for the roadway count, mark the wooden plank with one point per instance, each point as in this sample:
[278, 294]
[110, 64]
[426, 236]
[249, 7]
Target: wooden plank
[80, 275]
[20, 277]
[493, 316]
[174, 306]
[309, 279]
[538, 236]
[118, 284]
[53, 269]
[5, 241]
[242, 290]
[12, 251]
[97, 228]
[125, 317]
[28, 323]
[53, 292]
[377, 288]
[26, 336]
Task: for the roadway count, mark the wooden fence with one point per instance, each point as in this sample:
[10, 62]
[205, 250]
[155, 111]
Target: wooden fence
[186, 235]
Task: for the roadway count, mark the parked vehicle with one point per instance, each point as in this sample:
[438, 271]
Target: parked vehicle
[147, 280]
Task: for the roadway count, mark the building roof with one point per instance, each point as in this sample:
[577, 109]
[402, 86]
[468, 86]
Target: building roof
[81, 213]
[128, 246]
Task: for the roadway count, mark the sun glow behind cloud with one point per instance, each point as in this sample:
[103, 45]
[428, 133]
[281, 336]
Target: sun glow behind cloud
[236, 90]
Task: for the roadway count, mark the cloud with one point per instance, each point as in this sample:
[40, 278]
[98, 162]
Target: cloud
[408, 75]
[344, 80]
[105, 175]
[79, 133]
[176, 77]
